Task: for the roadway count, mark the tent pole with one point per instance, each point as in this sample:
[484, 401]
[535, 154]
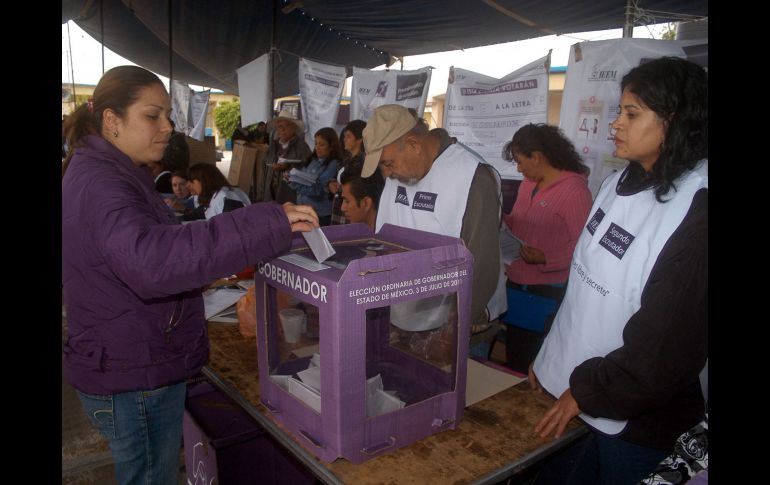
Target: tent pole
[101, 26]
[170, 56]
[628, 26]
[72, 69]
[272, 61]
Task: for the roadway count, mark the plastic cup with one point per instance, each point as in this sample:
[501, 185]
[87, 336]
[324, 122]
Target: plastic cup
[292, 320]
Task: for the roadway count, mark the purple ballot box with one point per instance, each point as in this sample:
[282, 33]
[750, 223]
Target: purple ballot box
[366, 352]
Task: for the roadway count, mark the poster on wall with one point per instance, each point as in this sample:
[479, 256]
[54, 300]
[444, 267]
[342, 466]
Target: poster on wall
[320, 89]
[371, 89]
[180, 105]
[199, 107]
[483, 112]
[592, 93]
[188, 110]
[254, 90]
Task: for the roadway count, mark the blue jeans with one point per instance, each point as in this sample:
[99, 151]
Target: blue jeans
[598, 459]
[144, 431]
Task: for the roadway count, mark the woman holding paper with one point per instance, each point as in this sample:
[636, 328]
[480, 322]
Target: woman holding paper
[631, 337]
[131, 274]
[310, 181]
[551, 207]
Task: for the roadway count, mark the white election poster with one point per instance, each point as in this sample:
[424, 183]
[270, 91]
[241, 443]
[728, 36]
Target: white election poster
[199, 106]
[484, 112]
[592, 93]
[254, 90]
[320, 88]
[180, 105]
[189, 109]
[371, 89]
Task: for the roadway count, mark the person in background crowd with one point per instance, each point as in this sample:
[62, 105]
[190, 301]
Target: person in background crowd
[631, 336]
[361, 196]
[261, 135]
[162, 177]
[551, 207]
[352, 141]
[241, 133]
[460, 191]
[289, 146]
[213, 193]
[183, 202]
[321, 167]
[175, 157]
[443, 136]
[131, 273]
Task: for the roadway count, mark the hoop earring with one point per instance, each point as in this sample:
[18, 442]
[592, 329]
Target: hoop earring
[115, 134]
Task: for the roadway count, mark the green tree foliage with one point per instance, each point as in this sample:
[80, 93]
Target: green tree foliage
[670, 33]
[227, 116]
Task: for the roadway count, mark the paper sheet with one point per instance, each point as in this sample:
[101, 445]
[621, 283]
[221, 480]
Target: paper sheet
[484, 381]
[303, 262]
[215, 300]
[510, 246]
[320, 246]
[288, 160]
[302, 178]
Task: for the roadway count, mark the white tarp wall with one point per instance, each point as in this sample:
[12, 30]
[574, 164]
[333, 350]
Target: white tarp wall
[371, 89]
[592, 93]
[320, 89]
[254, 90]
[189, 110]
[484, 112]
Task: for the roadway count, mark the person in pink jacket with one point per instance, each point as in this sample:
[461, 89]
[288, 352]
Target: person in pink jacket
[551, 208]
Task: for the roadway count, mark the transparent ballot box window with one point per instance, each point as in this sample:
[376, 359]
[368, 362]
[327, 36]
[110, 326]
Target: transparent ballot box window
[411, 352]
[292, 329]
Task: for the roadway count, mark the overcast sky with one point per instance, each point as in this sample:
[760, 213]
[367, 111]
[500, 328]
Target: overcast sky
[494, 60]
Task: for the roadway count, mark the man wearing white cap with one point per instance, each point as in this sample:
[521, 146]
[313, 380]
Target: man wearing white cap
[288, 148]
[441, 188]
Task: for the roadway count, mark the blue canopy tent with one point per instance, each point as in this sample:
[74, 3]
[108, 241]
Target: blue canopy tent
[210, 40]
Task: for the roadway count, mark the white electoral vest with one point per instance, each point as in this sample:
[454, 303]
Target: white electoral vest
[436, 203]
[217, 203]
[612, 261]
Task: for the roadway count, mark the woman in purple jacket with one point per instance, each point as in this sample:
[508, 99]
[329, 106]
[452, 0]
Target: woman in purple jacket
[132, 274]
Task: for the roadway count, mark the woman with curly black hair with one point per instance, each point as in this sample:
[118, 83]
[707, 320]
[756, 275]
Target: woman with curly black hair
[631, 337]
[551, 207]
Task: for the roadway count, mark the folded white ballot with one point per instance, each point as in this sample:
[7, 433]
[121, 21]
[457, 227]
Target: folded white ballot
[320, 246]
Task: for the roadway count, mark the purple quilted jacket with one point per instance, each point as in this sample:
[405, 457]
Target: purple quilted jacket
[132, 274]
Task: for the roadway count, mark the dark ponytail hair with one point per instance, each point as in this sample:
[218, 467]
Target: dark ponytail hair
[548, 140]
[117, 90]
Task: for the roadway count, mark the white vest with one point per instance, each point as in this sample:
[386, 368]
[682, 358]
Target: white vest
[217, 203]
[612, 261]
[436, 203]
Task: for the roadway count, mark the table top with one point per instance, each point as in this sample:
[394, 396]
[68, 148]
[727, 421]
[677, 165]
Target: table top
[494, 440]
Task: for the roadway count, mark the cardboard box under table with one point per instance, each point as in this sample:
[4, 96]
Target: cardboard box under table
[377, 359]
[224, 445]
